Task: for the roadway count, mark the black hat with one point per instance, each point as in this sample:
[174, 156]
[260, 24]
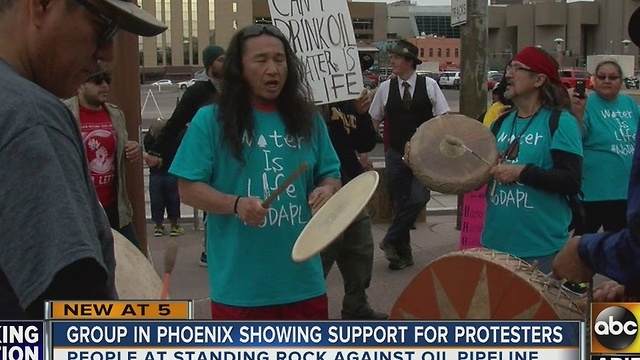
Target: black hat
[366, 61]
[634, 27]
[407, 50]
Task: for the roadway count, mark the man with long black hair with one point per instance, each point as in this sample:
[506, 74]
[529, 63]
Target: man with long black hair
[233, 156]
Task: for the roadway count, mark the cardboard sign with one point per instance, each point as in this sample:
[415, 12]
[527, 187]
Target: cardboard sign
[321, 34]
[474, 206]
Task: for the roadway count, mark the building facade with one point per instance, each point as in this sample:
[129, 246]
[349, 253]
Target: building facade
[441, 50]
[571, 31]
[191, 24]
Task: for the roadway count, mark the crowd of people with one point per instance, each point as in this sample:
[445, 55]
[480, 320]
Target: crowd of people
[233, 137]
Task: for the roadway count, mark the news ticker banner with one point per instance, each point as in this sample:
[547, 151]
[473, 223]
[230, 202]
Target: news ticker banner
[119, 310]
[386, 340]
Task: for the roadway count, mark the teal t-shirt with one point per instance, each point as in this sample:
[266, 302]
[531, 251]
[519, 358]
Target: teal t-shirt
[609, 142]
[522, 220]
[252, 266]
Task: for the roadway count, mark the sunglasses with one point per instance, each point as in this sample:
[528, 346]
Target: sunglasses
[98, 79]
[610, 77]
[110, 25]
[260, 29]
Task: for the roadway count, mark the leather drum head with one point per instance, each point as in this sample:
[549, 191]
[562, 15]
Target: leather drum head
[335, 216]
[136, 278]
[447, 168]
[484, 285]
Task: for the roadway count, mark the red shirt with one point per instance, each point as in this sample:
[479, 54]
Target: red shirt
[100, 144]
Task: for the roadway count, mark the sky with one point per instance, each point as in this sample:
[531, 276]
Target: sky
[434, 2]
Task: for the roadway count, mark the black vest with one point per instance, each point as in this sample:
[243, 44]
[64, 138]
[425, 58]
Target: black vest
[403, 123]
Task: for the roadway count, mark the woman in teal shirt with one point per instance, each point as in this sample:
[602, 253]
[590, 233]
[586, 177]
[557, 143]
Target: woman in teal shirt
[610, 122]
[528, 214]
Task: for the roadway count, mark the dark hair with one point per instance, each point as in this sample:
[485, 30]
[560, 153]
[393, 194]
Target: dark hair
[294, 103]
[609, 62]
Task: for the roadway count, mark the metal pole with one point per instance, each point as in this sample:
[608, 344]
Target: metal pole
[473, 66]
[125, 92]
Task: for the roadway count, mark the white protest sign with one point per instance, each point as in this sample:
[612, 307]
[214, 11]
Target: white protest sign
[321, 34]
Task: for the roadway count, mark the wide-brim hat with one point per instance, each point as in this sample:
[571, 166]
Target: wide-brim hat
[407, 50]
[133, 19]
[634, 27]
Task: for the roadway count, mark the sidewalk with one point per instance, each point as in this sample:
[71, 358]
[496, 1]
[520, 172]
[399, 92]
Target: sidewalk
[433, 238]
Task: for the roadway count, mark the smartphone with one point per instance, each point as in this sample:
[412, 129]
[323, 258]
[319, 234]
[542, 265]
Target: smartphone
[580, 89]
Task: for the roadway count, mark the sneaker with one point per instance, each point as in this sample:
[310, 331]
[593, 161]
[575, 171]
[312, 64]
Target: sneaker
[389, 252]
[159, 231]
[203, 259]
[177, 231]
[575, 288]
[400, 264]
[372, 315]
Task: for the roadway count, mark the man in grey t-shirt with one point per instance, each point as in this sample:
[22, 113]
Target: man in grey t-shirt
[55, 241]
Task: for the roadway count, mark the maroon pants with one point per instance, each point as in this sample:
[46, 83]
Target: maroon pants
[312, 309]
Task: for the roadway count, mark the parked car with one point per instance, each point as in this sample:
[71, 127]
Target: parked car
[370, 80]
[162, 82]
[449, 79]
[185, 84]
[570, 76]
[493, 80]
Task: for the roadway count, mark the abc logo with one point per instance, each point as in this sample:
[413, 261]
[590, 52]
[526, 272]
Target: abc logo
[615, 328]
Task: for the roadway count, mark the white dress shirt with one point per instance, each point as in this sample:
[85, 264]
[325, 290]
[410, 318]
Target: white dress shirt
[438, 101]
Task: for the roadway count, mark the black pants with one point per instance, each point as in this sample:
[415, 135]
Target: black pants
[611, 215]
[127, 231]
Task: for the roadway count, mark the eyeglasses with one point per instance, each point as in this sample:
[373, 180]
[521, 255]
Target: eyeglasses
[517, 67]
[110, 25]
[98, 79]
[260, 29]
[610, 77]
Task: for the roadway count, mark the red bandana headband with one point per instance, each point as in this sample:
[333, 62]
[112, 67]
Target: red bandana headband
[539, 62]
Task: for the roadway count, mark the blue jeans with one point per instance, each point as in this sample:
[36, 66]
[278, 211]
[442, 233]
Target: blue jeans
[163, 193]
[408, 198]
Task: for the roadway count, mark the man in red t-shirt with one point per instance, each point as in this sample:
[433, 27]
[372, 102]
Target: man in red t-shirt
[106, 144]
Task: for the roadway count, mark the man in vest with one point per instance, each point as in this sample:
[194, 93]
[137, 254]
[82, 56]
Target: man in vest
[404, 103]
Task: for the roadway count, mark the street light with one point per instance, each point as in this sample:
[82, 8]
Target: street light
[625, 46]
[559, 44]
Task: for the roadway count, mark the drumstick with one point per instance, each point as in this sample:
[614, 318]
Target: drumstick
[456, 141]
[284, 185]
[170, 256]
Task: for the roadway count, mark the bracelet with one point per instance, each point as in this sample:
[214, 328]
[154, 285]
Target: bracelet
[235, 205]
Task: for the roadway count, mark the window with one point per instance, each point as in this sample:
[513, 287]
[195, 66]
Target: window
[439, 25]
[362, 24]
[455, 52]
[430, 52]
[448, 52]
[439, 52]
[234, 7]
[421, 52]
[235, 24]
